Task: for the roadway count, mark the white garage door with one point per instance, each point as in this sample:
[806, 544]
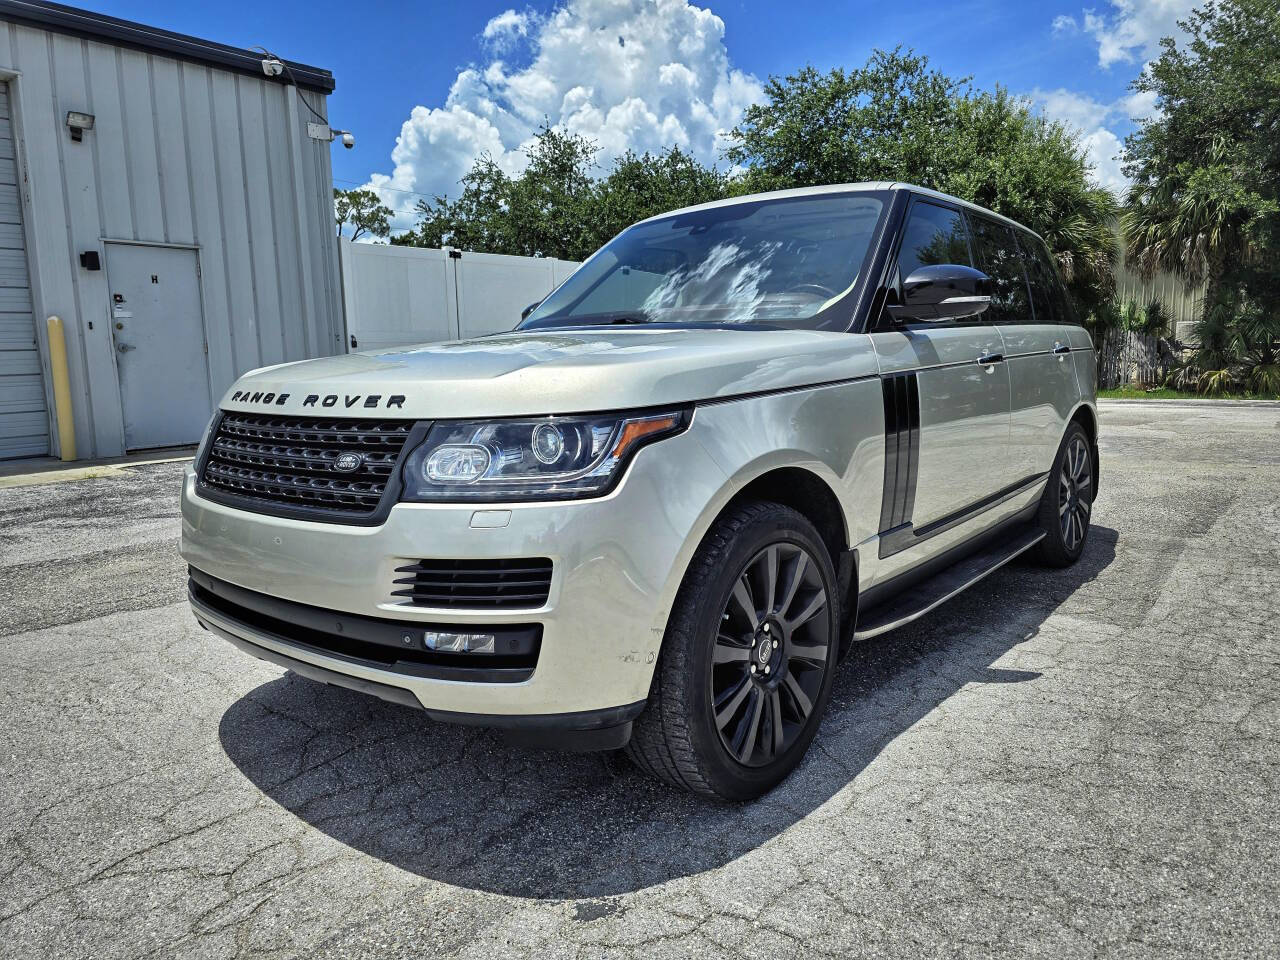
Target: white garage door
[24, 426]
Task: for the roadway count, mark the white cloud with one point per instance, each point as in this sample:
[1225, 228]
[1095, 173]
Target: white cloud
[1095, 121]
[1137, 106]
[1103, 148]
[628, 74]
[507, 29]
[1131, 29]
[1077, 109]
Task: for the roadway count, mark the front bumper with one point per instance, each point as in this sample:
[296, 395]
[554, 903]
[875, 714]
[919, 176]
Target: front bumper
[617, 563]
[237, 615]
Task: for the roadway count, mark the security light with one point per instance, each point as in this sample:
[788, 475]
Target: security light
[78, 123]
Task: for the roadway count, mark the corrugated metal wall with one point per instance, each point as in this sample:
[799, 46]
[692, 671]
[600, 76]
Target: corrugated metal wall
[182, 154]
[1182, 304]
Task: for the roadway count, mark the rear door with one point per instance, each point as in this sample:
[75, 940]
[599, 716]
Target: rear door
[946, 413]
[1037, 345]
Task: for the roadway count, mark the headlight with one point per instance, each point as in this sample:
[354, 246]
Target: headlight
[206, 439]
[542, 458]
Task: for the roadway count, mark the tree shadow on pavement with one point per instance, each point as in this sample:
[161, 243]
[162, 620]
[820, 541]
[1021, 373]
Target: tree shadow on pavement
[457, 805]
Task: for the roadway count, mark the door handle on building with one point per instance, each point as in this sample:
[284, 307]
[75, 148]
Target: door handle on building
[125, 347]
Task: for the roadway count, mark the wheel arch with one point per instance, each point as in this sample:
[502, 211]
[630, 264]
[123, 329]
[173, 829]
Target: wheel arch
[1087, 417]
[806, 493]
[812, 496]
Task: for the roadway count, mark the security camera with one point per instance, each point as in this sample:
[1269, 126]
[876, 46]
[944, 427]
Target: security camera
[272, 67]
[348, 141]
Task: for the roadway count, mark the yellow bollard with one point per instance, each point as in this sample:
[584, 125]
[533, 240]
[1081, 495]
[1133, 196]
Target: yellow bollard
[61, 389]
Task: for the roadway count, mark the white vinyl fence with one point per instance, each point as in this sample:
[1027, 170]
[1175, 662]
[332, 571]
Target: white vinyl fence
[396, 296]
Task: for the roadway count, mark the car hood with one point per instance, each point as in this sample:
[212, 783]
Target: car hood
[550, 371]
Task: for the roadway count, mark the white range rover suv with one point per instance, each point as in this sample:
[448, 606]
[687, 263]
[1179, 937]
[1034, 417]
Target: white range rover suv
[740, 438]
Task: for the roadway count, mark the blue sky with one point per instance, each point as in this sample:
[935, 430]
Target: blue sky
[449, 80]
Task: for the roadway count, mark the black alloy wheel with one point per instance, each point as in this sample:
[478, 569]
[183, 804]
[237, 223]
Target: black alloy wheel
[748, 658]
[1075, 493]
[1066, 508]
[770, 656]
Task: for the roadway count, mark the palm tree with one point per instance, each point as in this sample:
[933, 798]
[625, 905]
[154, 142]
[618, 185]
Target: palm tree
[1197, 228]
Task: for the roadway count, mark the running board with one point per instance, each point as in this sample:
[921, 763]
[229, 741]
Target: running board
[916, 601]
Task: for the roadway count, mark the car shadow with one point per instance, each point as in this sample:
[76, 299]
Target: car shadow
[458, 805]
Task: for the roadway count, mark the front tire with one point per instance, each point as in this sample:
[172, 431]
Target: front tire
[1067, 504]
[748, 658]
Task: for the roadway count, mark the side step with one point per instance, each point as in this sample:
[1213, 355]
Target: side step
[916, 601]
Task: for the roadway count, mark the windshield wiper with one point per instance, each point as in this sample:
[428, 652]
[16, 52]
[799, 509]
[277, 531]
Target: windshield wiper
[619, 319]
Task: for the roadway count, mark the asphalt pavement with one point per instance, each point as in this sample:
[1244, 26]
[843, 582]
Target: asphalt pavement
[1072, 763]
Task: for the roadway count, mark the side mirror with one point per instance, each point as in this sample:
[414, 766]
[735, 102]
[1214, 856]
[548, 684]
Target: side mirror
[524, 314]
[947, 291]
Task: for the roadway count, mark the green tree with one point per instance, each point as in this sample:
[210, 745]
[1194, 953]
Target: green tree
[643, 185]
[363, 211]
[1205, 201]
[558, 207]
[896, 119]
[538, 213]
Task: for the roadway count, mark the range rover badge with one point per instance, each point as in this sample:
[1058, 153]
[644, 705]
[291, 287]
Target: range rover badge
[348, 462]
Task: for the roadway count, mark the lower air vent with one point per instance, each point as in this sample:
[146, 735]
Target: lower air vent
[475, 584]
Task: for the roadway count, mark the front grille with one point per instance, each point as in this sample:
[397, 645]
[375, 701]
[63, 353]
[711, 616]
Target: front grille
[289, 461]
[482, 584]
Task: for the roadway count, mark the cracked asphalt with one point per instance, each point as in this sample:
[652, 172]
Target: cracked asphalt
[1071, 763]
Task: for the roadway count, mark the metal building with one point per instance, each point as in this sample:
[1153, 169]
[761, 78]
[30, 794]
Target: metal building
[169, 202]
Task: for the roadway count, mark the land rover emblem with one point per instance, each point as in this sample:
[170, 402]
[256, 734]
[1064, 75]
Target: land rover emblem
[348, 462]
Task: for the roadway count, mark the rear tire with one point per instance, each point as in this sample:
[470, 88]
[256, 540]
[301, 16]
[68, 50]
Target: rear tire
[1066, 506]
[748, 658]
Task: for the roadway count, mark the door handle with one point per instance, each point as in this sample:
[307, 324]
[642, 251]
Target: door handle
[988, 359]
[125, 347]
[1060, 348]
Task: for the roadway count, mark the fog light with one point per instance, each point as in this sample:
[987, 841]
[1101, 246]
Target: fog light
[460, 642]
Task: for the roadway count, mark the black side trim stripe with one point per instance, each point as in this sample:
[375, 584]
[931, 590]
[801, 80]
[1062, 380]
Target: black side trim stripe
[903, 536]
[901, 448]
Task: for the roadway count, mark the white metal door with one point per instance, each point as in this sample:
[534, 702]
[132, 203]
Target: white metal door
[158, 330]
[24, 423]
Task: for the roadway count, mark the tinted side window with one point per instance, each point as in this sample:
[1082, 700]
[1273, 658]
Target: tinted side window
[933, 235]
[1063, 311]
[1045, 295]
[1000, 258]
[1040, 281]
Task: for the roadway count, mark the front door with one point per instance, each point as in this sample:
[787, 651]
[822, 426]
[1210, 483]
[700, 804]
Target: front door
[946, 413]
[961, 457]
[158, 330]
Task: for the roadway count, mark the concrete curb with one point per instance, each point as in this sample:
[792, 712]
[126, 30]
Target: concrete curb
[90, 470]
[1188, 402]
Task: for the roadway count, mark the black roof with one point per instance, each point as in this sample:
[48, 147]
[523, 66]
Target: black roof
[126, 33]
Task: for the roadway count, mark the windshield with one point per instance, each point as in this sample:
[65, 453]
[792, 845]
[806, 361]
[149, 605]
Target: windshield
[779, 263]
